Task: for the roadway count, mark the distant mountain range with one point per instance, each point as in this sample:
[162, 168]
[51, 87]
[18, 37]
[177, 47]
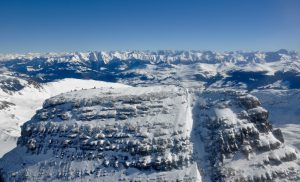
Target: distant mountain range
[239, 69]
[150, 115]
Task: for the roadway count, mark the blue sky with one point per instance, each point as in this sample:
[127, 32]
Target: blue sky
[83, 25]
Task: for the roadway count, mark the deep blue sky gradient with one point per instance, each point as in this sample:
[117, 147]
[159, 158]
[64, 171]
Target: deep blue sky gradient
[83, 25]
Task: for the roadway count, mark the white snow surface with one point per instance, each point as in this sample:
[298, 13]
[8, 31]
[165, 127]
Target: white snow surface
[189, 69]
[153, 115]
[219, 118]
[29, 99]
[210, 62]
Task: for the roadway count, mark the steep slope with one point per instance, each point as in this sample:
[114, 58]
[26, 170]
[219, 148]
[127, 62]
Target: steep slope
[162, 133]
[239, 142]
[284, 111]
[108, 135]
[231, 135]
[19, 100]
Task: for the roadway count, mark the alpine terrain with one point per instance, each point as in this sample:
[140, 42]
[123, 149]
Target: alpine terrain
[150, 116]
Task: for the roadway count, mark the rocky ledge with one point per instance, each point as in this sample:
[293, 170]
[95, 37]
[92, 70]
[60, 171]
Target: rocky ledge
[162, 133]
[104, 133]
[239, 141]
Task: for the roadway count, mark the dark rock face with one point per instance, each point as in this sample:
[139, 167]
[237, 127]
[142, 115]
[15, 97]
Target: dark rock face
[255, 113]
[258, 114]
[249, 101]
[5, 104]
[10, 84]
[278, 134]
[96, 142]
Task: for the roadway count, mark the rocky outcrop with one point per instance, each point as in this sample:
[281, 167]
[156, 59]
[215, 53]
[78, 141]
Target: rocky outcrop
[239, 140]
[5, 104]
[278, 134]
[152, 133]
[91, 131]
[11, 84]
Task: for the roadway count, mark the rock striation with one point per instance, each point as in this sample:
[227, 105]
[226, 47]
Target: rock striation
[92, 134]
[159, 133]
[239, 141]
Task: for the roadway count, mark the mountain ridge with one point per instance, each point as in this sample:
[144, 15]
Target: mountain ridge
[156, 56]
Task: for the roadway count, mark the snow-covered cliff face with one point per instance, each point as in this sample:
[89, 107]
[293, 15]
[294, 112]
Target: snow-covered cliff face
[107, 134]
[20, 98]
[238, 141]
[231, 69]
[151, 133]
[284, 110]
[204, 125]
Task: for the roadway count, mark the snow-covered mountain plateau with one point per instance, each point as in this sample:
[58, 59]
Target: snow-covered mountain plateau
[19, 99]
[150, 116]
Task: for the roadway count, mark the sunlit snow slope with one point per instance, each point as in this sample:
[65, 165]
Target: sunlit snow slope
[22, 104]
